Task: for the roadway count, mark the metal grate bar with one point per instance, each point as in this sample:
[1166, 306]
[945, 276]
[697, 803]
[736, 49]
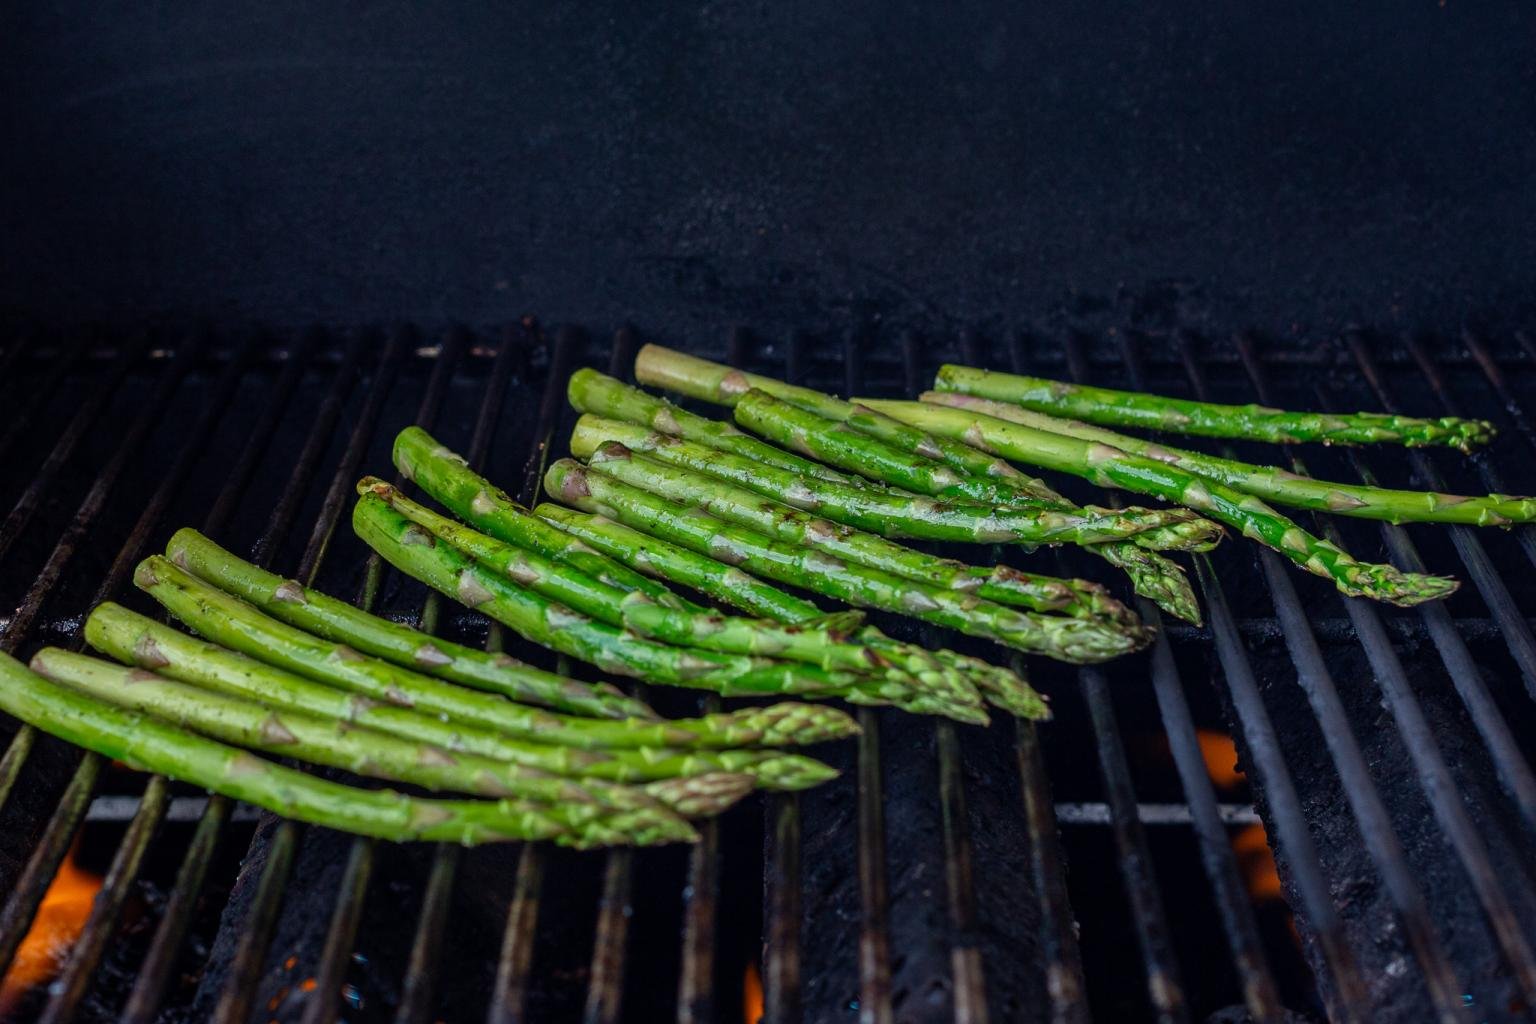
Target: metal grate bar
[1483, 458]
[1495, 377]
[421, 973]
[91, 409]
[250, 954]
[1317, 683]
[238, 479]
[308, 461]
[1164, 986]
[605, 990]
[347, 911]
[39, 393]
[1522, 646]
[1513, 771]
[970, 994]
[1205, 814]
[874, 934]
[516, 958]
[782, 1003]
[149, 988]
[27, 896]
[1347, 999]
[86, 954]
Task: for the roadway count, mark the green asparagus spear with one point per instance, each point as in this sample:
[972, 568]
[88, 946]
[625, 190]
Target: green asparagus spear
[1207, 419]
[723, 385]
[333, 619]
[337, 744]
[418, 553]
[148, 744]
[594, 392]
[826, 647]
[446, 476]
[684, 467]
[1111, 467]
[1272, 483]
[144, 643]
[227, 620]
[731, 586]
[842, 444]
[1153, 576]
[1067, 639]
[899, 516]
[690, 781]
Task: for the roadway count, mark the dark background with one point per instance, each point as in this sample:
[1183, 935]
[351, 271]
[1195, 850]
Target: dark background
[1288, 166]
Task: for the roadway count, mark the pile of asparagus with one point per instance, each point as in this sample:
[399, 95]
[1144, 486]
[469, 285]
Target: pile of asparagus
[951, 446]
[595, 591]
[287, 671]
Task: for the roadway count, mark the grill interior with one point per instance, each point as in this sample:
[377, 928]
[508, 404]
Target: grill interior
[1100, 867]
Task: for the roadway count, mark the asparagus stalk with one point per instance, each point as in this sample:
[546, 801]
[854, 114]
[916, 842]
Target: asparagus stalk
[148, 744]
[1152, 576]
[901, 516]
[843, 445]
[227, 620]
[683, 466]
[1207, 419]
[594, 392]
[1111, 467]
[1271, 482]
[417, 552]
[723, 385]
[446, 476]
[1067, 639]
[138, 641]
[826, 647]
[731, 586]
[333, 619]
[336, 744]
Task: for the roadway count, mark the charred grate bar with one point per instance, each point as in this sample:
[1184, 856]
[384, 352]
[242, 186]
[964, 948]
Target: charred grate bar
[952, 873]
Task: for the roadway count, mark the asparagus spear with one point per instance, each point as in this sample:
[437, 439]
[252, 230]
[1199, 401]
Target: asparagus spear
[826, 647]
[333, 619]
[1067, 639]
[902, 516]
[136, 640]
[594, 392]
[1111, 467]
[683, 466]
[446, 476]
[229, 621]
[1207, 419]
[148, 744]
[362, 751]
[1152, 575]
[731, 586]
[1272, 483]
[416, 551]
[843, 445]
[723, 385]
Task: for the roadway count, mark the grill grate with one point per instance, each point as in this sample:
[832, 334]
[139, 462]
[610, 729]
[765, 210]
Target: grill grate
[933, 881]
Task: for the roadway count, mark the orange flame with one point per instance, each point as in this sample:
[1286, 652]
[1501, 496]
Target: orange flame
[752, 995]
[1220, 755]
[60, 919]
[1251, 845]
[1257, 862]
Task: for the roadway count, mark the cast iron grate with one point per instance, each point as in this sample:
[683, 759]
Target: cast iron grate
[1388, 753]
